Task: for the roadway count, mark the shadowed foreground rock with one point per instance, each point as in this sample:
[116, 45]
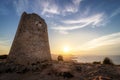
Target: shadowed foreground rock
[59, 71]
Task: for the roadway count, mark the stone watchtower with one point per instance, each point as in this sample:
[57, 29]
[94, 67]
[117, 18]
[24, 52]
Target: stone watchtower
[31, 43]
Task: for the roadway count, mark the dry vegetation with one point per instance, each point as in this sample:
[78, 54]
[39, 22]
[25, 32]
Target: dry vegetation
[59, 71]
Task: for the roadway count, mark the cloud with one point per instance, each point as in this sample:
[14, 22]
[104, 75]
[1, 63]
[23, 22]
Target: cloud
[86, 11]
[102, 41]
[4, 46]
[116, 12]
[49, 7]
[5, 42]
[73, 7]
[53, 7]
[21, 6]
[66, 28]
[94, 20]
[63, 32]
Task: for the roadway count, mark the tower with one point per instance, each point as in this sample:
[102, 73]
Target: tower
[31, 42]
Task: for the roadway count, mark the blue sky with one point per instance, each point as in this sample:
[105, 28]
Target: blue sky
[83, 26]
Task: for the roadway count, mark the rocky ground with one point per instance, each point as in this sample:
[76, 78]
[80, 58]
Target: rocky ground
[59, 71]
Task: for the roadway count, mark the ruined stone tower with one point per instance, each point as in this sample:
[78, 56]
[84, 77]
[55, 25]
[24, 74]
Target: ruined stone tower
[30, 44]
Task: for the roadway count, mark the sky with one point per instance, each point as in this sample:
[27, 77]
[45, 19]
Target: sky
[80, 27]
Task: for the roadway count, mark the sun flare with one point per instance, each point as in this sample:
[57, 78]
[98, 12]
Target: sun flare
[66, 49]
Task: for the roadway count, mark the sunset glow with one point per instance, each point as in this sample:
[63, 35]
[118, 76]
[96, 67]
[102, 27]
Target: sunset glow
[66, 49]
[74, 26]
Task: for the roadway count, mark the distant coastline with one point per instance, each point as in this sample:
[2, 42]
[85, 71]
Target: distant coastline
[92, 58]
[87, 58]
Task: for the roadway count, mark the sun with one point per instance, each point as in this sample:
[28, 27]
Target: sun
[66, 49]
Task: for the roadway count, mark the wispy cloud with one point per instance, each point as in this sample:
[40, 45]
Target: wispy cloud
[4, 46]
[21, 6]
[66, 28]
[47, 7]
[94, 20]
[73, 7]
[86, 11]
[101, 41]
[116, 12]
[52, 7]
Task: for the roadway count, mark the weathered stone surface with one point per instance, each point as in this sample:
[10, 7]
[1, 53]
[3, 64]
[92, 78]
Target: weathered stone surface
[31, 43]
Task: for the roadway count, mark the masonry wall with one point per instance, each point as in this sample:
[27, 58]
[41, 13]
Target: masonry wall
[31, 42]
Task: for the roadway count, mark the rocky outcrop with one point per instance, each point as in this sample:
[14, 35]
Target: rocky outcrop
[31, 43]
[59, 71]
[6, 67]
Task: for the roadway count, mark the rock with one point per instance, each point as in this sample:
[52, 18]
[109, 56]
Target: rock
[102, 78]
[62, 70]
[67, 75]
[2, 68]
[78, 68]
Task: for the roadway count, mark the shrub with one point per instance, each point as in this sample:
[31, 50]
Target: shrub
[60, 58]
[3, 56]
[95, 62]
[107, 61]
[78, 68]
[67, 75]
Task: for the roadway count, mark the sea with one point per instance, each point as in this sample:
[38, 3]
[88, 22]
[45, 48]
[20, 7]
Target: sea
[99, 58]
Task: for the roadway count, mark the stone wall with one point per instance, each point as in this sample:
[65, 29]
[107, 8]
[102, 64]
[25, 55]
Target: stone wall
[31, 42]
